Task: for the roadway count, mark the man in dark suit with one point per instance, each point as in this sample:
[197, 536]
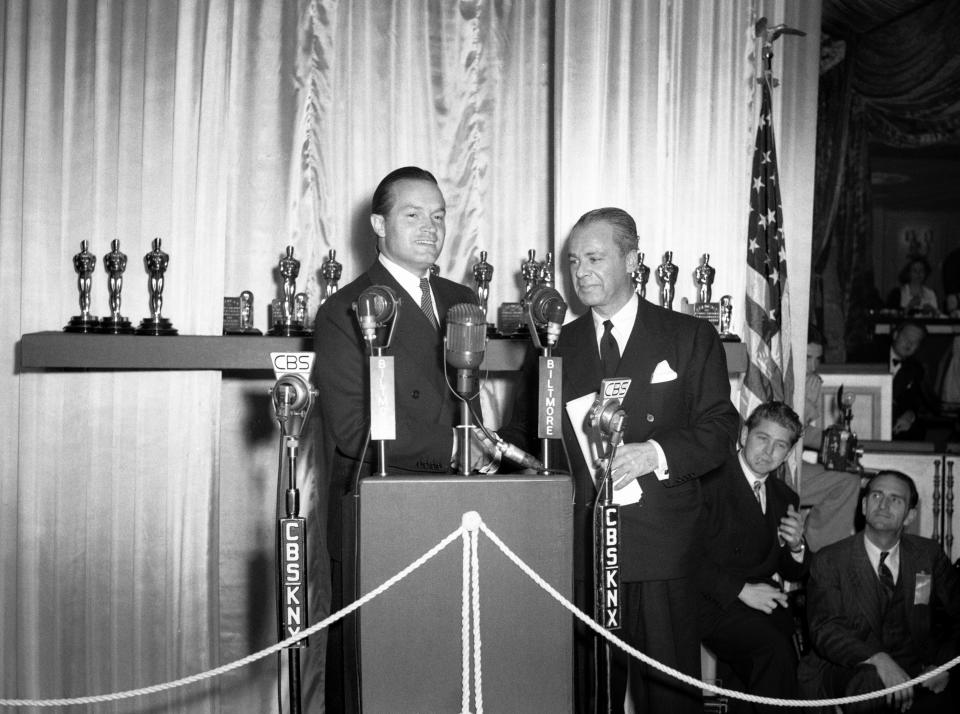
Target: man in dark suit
[911, 397]
[680, 424]
[884, 607]
[752, 540]
[408, 217]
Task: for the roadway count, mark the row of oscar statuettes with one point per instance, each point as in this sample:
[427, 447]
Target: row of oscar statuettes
[289, 315]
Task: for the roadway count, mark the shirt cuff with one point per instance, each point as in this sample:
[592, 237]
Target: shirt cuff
[663, 468]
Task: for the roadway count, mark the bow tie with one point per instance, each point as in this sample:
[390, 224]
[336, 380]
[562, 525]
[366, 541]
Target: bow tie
[896, 362]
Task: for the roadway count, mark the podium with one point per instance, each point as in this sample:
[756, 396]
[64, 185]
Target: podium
[410, 636]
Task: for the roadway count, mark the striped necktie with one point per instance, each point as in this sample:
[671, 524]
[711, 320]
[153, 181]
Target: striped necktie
[426, 302]
[886, 577]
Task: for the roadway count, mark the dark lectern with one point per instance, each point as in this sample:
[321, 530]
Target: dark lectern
[410, 637]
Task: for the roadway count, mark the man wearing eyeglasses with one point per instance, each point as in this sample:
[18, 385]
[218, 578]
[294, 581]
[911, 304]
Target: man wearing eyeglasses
[884, 607]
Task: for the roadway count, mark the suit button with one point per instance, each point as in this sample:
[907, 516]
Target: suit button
[415, 394]
[649, 417]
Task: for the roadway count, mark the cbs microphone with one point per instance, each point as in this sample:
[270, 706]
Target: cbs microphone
[465, 343]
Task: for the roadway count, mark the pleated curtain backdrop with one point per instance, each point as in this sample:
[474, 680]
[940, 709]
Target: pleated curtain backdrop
[136, 508]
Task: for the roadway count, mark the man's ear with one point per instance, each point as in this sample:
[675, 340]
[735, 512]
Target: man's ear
[743, 436]
[631, 261]
[377, 221]
[910, 518]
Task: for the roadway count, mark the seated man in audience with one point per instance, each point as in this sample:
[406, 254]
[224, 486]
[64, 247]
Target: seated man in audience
[883, 607]
[912, 397]
[752, 540]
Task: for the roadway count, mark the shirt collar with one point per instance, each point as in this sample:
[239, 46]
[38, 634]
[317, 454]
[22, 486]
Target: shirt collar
[623, 321]
[892, 561]
[894, 367]
[408, 281]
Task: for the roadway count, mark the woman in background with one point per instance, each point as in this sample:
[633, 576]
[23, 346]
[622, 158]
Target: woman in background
[913, 295]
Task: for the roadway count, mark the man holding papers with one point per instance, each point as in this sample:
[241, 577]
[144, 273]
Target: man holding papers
[680, 424]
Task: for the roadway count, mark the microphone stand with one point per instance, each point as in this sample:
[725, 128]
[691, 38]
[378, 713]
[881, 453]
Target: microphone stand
[537, 315]
[546, 352]
[464, 380]
[606, 551]
[292, 411]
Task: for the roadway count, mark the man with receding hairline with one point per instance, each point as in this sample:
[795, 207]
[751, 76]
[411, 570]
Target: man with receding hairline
[884, 607]
[680, 424]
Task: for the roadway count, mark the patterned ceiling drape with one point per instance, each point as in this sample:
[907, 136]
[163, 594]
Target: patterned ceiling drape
[137, 508]
[899, 85]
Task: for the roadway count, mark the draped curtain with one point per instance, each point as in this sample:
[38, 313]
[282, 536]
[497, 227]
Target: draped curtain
[899, 85]
[136, 508]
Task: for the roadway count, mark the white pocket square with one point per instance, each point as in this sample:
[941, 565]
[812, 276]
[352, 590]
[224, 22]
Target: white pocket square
[662, 373]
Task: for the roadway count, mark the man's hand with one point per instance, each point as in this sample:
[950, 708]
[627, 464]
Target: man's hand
[791, 528]
[762, 597]
[632, 462]
[891, 674]
[936, 684]
[904, 421]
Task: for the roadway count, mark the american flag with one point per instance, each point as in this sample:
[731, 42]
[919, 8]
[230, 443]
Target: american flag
[767, 334]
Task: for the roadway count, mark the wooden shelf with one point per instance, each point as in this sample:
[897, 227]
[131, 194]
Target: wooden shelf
[63, 351]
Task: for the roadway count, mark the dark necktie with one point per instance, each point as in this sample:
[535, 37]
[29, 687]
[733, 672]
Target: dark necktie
[757, 485]
[609, 350]
[426, 302]
[886, 577]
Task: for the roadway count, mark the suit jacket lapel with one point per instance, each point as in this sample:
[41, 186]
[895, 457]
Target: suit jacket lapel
[908, 581]
[640, 358]
[864, 582]
[578, 347]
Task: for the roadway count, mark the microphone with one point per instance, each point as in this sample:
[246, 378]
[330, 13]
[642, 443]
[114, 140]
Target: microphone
[547, 308]
[493, 443]
[518, 455]
[292, 401]
[606, 414]
[375, 307]
[465, 343]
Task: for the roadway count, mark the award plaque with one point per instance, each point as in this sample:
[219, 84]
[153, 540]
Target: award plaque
[510, 318]
[238, 315]
[283, 316]
[709, 311]
[156, 262]
[84, 263]
[115, 263]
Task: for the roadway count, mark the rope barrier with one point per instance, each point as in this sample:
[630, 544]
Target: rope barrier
[249, 659]
[470, 610]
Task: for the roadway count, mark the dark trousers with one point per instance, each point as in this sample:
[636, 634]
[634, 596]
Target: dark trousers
[758, 648]
[660, 620]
